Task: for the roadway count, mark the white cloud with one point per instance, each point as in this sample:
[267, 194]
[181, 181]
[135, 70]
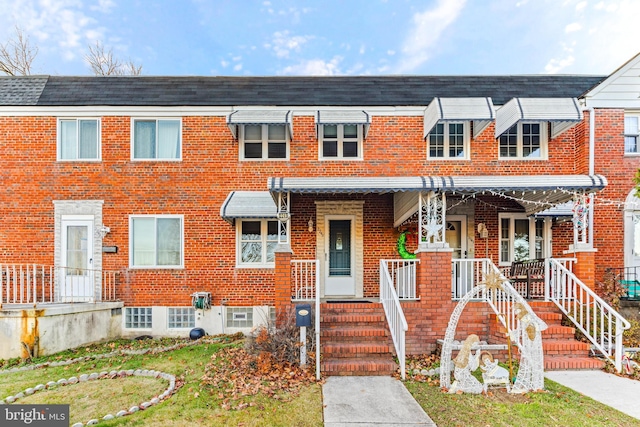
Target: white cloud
[573, 27]
[427, 29]
[580, 6]
[237, 67]
[391, 52]
[283, 43]
[554, 66]
[315, 67]
[61, 26]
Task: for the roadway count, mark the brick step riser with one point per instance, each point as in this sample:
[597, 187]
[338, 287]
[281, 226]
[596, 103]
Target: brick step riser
[333, 319]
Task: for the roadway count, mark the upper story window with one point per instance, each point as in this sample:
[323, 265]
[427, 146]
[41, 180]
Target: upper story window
[262, 142]
[155, 241]
[631, 134]
[157, 139]
[340, 141]
[256, 243]
[79, 139]
[449, 140]
[522, 238]
[523, 141]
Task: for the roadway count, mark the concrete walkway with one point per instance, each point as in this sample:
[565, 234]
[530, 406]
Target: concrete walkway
[619, 393]
[370, 401]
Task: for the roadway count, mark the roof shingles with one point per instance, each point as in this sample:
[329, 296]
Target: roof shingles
[284, 91]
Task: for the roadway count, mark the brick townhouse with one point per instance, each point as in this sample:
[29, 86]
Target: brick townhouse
[247, 189]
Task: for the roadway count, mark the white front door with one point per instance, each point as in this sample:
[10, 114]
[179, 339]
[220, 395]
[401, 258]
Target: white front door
[76, 275]
[339, 253]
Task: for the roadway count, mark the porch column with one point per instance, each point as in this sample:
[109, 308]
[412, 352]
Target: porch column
[582, 248]
[282, 282]
[431, 220]
[428, 318]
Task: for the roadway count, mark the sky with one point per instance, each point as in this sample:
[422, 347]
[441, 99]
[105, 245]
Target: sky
[331, 37]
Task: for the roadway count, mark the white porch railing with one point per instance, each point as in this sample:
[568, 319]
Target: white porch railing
[305, 287]
[467, 273]
[37, 284]
[303, 280]
[596, 319]
[403, 277]
[395, 316]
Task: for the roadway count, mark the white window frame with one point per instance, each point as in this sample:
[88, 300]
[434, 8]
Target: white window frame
[264, 228]
[512, 217]
[340, 142]
[631, 134]
[155, 159]
[447, 140]
[98, 157]
[188, 313]
[148, 313]
[544, 142]
[155, 266]
[264, 133]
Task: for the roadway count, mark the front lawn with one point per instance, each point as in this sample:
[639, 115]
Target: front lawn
[195, 402]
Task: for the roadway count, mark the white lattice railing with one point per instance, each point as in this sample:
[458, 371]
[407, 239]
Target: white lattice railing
[403, 277]
[37, 284]
[303, 280]
[305, 286]
[596, 319]
[395, 316]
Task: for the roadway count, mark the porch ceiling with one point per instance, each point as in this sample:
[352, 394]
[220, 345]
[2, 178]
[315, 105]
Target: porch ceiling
[534, 192]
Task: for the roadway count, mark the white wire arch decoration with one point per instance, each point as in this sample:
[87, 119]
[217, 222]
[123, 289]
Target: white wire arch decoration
[447, 346]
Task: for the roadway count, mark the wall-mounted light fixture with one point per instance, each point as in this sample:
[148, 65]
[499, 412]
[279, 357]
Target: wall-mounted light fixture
[310, 225]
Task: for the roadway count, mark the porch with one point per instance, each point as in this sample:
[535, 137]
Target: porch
[47, 309]
[417, 314]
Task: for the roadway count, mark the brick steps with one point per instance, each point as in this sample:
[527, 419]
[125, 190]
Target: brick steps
[561, 350]
[355, 340]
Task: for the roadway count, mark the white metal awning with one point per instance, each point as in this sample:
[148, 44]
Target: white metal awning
[561, 210]
[248, 204]
[260, 117]
[344, 117]
[563, 113]
[478, 110]
[534, 192]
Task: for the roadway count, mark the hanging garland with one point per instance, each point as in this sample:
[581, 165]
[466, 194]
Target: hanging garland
[402, 249]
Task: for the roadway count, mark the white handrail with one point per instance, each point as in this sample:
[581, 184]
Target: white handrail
[317, 324]
[597, 320]
[394, 314]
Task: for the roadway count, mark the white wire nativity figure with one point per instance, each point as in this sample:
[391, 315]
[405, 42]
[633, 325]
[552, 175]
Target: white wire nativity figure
[528, 336]
[492, 373]
[464, 364]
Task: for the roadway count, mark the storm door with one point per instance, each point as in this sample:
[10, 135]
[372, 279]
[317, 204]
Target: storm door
[75, 274]
[340, 277]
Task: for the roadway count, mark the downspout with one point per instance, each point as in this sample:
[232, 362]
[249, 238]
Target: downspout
[592, 165]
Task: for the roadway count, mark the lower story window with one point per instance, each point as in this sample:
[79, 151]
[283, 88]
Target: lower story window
[239, 317]
[138, 318]
[181, 317]
[522, 238]
[256, 243]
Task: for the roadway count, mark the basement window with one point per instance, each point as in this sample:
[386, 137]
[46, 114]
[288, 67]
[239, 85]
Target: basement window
[138, 318]
[239, 317]
[181, 317]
